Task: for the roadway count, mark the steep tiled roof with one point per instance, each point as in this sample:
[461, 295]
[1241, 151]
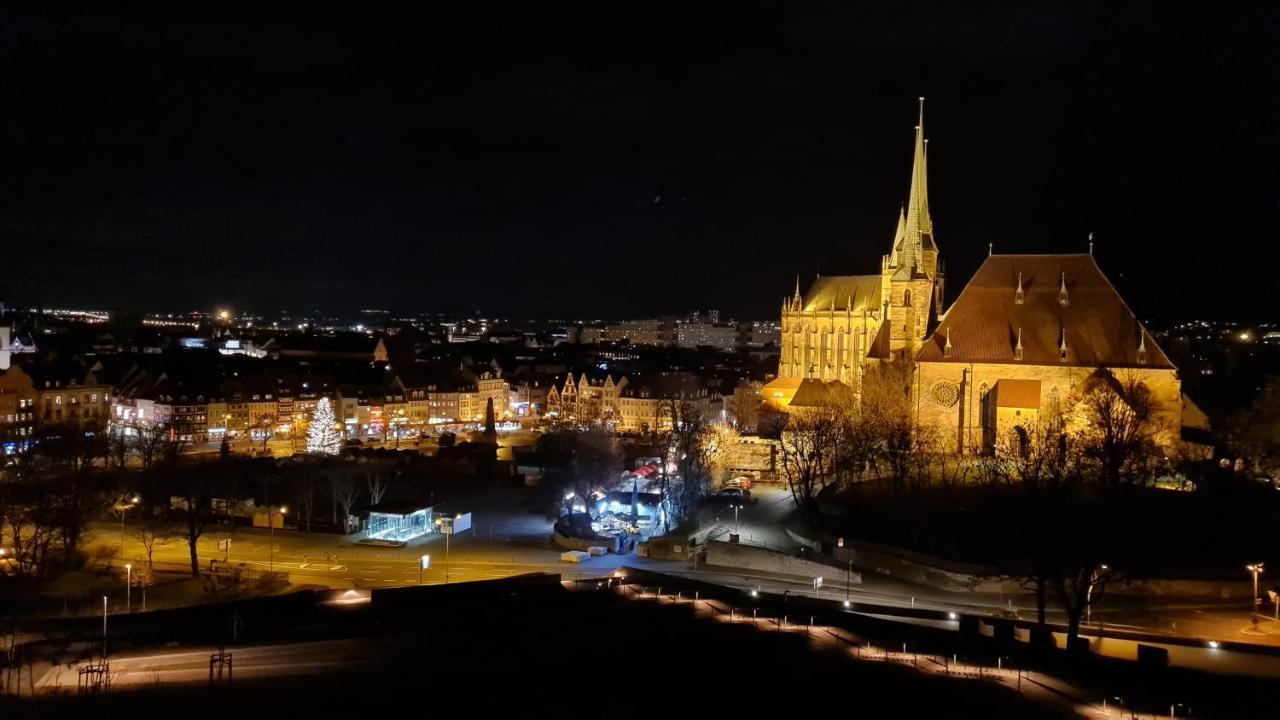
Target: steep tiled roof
[816, 393]
[864, 290]
[984, 322]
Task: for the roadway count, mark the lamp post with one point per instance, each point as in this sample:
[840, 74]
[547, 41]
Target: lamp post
[848, 577]
[128, 588]
[124, 507]
[104, 629]
[1256, 569]
[1088, 593]
[736, 508]
[271, 529]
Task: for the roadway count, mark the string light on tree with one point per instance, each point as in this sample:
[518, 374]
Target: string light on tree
[322, 432]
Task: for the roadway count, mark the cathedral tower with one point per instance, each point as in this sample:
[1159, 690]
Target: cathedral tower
[910, 274]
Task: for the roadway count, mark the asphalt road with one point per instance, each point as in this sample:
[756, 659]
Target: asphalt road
[509, 539]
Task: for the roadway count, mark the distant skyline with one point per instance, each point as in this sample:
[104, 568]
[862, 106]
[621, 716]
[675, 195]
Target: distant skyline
[587, 161]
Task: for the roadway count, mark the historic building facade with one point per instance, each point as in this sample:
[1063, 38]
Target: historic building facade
[843, 322]
[1018, 344]
[1021, 342]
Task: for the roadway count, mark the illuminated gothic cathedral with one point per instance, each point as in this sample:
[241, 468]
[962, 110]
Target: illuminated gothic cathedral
[1019, 340]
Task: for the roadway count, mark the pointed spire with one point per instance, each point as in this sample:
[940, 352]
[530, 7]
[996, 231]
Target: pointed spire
[1142, 346]
[898, 235]
[1090, 243]
[916, 227]
[917, 219]
[991, 249]
[946, 348]
[1019, 296]
[1062, 346]
[1062, 290]
[918, 200]
[1017, 349]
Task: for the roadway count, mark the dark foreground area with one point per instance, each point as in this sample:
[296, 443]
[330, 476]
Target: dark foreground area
[527, 645]
[535, 647]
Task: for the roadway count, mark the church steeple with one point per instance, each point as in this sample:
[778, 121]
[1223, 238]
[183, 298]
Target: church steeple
[914, 252]
[918, 221]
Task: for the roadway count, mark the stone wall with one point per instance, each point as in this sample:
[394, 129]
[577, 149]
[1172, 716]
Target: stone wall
[962, 577]
[577, 543]
[749, 557]
[960, 422]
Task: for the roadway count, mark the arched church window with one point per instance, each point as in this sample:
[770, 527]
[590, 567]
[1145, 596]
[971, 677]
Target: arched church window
[906, 298]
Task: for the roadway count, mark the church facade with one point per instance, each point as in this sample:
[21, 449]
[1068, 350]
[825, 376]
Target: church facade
[1018, 343]
[832, 331]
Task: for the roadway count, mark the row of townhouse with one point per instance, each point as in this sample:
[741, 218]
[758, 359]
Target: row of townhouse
[260, 409]
[48, 393]
[642, 404]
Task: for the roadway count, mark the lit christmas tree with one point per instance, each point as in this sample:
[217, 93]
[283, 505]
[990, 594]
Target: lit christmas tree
[322, 433]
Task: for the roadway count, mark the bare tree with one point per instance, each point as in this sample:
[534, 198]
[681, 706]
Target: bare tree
[1254, 433]
[1119, 427]
[1079, 585]
[195, 487]
[887, 412]
[265, 427]
[692, 447]
[377, 483]
[305, 492]
[345, 493]
[810, 453]
[31, 532]
[151, 537]
[149, 440]
[39, 513]
[119, 446]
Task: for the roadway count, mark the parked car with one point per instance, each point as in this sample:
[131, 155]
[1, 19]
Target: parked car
[733, 495]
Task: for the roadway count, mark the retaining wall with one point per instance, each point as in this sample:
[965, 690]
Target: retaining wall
[748, 557]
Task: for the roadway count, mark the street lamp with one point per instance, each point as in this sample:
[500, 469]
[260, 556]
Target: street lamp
[1088, 593]
[123, 507]
[1256, 569]
[271, 529]
[128, 588]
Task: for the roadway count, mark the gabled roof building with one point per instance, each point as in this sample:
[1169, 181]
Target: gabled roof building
[1018, 344]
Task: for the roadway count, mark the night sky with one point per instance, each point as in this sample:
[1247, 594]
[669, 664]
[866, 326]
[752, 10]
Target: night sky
[621, 159]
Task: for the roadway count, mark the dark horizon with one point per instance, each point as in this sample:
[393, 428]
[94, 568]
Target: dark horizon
[605, 163]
